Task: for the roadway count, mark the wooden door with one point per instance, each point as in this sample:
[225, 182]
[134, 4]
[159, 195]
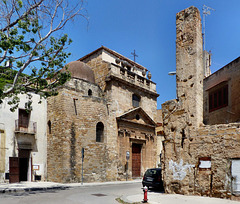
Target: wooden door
[13, 169]
[136, 160]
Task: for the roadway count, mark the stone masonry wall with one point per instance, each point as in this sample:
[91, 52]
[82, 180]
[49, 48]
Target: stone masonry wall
[99, 67]
[189, 63]
[118, 96]
[73, 128]
[121, 99]
[187, 141]
[182, 174]
[132, 133]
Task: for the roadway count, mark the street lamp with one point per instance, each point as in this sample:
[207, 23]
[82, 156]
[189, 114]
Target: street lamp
[172, 73]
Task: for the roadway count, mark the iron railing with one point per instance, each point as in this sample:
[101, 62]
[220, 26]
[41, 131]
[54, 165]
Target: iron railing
[25, 127]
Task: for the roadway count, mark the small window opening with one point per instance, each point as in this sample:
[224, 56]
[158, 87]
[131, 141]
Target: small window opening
[137, 117]
[49, 127]
[99, 132]
[75, 106]
[183, 137]
[135, 100]
[90, 92]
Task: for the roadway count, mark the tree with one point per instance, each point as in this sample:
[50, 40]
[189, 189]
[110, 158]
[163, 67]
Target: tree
[32, 47]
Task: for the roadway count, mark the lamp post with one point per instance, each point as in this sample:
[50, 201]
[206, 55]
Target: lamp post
[172, 73]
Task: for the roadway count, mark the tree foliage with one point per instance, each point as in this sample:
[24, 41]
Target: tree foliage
[32, 47]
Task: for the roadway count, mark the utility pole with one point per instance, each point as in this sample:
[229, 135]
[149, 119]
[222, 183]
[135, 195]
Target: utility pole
[82, 163]
[206, 11]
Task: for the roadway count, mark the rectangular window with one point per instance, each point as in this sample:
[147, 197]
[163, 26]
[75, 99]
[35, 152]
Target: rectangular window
[135, 100]
[218, 98]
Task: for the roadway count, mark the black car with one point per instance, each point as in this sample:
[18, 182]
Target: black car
[153, 178]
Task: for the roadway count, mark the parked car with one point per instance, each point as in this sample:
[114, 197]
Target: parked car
[153, 178]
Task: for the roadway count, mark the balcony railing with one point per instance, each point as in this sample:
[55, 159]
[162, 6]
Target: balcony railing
[132, 77]
[29, 127]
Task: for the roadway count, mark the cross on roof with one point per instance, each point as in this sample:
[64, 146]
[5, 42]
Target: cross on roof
[134, 55]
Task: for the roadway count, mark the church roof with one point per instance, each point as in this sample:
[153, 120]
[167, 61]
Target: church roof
[121, 57]
[80, 70]
[129, 116]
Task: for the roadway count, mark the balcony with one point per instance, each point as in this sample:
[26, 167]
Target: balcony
[28, 127]
[132, 77]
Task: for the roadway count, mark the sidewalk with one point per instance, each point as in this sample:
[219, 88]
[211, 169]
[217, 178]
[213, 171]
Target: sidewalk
[161, 198]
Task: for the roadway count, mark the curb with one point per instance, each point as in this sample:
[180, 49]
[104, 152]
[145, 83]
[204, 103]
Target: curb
[22, 189]
[32, 189]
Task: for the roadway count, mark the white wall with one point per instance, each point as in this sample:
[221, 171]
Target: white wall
[7, 121]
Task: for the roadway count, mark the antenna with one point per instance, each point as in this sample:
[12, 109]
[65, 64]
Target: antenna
[206, 11]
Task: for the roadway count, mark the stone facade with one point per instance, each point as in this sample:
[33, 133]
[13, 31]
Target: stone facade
[124, 100]
[73, 115]
[197, 159]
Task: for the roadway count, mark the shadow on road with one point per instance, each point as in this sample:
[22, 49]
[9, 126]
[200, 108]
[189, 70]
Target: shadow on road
[155, 190]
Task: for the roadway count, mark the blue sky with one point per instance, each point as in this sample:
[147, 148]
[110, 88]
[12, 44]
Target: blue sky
[149, 28]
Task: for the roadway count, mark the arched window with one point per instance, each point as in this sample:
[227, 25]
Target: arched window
[99, 132]
[135, 100]
[90, 92]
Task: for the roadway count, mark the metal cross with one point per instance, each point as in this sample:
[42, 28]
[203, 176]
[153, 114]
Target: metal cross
[134, 55]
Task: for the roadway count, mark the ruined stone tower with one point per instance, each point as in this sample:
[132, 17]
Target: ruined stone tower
[189, 63]
[186, 112]
[198, 159]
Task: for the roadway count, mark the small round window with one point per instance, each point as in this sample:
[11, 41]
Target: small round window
[137, 117]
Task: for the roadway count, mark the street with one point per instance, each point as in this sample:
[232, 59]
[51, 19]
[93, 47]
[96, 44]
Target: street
[105, 193]
[86, 194]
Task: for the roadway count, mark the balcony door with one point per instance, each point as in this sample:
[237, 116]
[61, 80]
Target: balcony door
[23, 117]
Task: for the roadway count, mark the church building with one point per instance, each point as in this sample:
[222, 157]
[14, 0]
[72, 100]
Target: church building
[101, 125]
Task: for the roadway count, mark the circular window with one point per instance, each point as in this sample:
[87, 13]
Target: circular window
[137, 117]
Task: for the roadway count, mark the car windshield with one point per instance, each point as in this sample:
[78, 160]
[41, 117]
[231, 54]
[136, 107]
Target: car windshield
[151, 172]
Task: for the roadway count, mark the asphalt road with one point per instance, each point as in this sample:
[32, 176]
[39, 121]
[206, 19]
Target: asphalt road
[101, 194]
